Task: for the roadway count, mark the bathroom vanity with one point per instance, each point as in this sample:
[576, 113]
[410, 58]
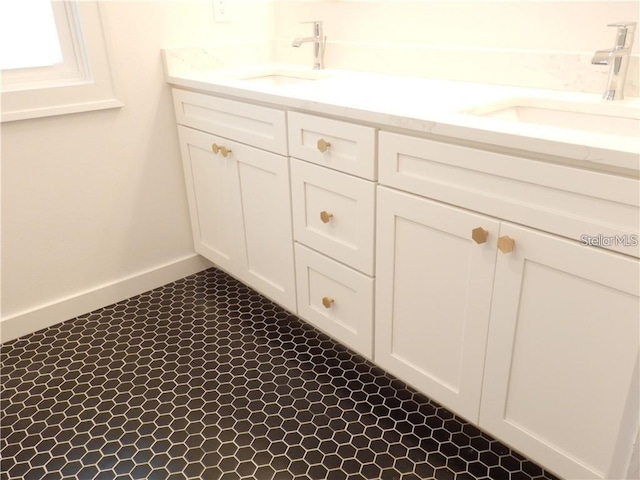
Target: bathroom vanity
[487, 259]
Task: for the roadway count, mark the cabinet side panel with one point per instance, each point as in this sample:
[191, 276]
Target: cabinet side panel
[633, 470]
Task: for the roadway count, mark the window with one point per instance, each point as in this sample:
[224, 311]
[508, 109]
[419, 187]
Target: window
[55, 58]
[28, 35]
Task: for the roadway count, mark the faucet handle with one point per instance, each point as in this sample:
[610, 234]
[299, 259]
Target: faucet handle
[622, 24]
[624, 35]
[317, 25]
[317, 28]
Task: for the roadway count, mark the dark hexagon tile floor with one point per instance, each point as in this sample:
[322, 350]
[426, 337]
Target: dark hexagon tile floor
[206, 379]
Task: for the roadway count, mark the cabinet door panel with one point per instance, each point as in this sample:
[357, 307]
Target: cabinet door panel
[562, 357]
[433, 297]
[213, 193]
[266, 210]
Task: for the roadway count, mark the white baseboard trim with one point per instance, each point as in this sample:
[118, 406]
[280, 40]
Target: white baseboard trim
[44, 316]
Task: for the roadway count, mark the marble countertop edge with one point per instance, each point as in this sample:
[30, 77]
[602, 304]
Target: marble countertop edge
[428, 106]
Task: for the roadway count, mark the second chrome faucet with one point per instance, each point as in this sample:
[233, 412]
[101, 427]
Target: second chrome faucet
[618, 60]
[318, 39]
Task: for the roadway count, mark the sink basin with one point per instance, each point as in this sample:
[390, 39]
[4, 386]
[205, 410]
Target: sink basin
[279, 76]
[276, 80]
[610, 119]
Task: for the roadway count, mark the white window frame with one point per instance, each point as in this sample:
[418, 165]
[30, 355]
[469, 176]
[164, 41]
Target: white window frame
[84, 82]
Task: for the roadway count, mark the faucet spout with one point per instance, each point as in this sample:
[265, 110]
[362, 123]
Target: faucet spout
[601, 57]
[297, 42]
[617, 59]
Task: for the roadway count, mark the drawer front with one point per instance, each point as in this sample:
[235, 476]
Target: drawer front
[334, 213]
[260, 127]
[590, 207]
[336, 299]
[338, 145]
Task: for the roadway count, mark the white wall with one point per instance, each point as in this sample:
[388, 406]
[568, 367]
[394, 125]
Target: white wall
[536, 43]
[93, 204]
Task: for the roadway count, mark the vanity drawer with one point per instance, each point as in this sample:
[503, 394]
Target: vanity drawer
[338, 145]
[253, 125]
[559, 199]
[336, 299]
[334, 213]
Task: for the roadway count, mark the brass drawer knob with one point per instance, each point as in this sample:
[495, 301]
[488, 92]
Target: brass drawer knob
[479, 235]
[327, 302]
[325, 216]
[323, 145]
[215, 148]
[506, 244]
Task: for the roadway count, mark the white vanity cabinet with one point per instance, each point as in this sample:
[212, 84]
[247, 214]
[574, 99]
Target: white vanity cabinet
[506, 288]
[334, 222]
[239, 197]
[533, 336]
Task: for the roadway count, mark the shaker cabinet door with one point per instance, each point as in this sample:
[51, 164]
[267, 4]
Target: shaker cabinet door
[266, 212]
[240, 209]
[213, 192]
[435, 266]
[561, 373]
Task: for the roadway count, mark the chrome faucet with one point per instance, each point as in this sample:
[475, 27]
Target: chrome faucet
[318, 44]
[618, 60]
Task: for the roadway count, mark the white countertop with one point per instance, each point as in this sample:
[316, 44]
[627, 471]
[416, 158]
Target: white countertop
[437, 107]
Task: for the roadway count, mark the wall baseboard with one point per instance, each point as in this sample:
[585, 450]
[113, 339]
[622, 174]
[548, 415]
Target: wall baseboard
[67, 308]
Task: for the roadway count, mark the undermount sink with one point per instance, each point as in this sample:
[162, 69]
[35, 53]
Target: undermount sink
[277, 80]
[602, 118]
[279, 76]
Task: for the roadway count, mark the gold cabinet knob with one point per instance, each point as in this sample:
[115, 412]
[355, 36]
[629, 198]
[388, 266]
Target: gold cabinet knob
[327, 302]
[325, 216]
[215, 148]
[506, 244]
[479, 235]
[323, 145]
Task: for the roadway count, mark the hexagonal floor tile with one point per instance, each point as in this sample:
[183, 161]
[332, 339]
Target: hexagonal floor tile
[205, 379]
